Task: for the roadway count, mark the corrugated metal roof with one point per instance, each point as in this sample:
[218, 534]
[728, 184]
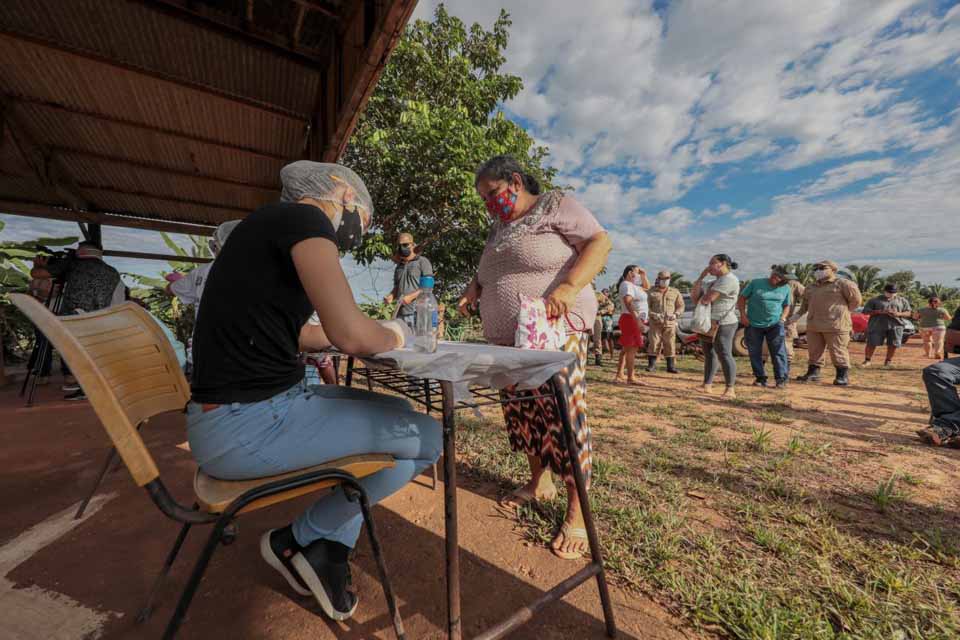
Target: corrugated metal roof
[140, 36]
[164, 109]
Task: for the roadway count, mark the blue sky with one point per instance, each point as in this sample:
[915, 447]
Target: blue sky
[772, 131]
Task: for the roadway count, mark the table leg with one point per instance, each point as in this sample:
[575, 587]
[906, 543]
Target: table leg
[450, 512]
[348, 380]
[559, 392]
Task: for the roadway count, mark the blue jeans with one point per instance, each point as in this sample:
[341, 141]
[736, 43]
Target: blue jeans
[775, 338]
[306, 426]
[719, 353]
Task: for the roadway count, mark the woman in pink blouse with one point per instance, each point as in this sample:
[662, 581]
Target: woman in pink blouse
[542, 246]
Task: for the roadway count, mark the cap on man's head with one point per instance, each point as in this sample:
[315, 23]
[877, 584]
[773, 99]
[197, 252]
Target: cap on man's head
[664, 274]
[890, 288]
[779, 270]
[828, 263]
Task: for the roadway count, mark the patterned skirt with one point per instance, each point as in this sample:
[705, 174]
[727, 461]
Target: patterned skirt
[533, 424]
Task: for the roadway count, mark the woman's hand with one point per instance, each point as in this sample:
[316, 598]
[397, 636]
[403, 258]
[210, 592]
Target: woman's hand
[400, 330]
[704, 273]
[467, 304]
[561, 300]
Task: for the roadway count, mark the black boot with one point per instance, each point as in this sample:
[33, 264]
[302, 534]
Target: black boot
[598, 359]
[651, 363]
[812, 374]
[672, 365]
[842, 378]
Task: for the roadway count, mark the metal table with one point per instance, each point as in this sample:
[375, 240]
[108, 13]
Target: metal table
[438, 395]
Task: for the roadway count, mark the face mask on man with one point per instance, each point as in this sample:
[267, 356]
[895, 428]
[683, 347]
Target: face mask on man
[405, 250]
[821, 274]
[663, 283]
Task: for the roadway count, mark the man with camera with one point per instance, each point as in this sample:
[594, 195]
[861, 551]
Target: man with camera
[88, 284]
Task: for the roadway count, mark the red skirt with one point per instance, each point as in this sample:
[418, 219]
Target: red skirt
[631, 334]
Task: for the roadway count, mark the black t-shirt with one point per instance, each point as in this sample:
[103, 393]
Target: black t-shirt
[247, 336]
[955, 323]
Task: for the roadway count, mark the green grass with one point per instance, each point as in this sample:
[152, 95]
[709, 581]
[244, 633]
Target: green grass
[783, 565]
[886, 494]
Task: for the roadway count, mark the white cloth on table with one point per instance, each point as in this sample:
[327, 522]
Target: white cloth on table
[486, 365]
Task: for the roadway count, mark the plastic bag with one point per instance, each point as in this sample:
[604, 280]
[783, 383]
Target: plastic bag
[701, 319]
[535, 330]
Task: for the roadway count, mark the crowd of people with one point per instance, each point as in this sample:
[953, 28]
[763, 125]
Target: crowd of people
[277, 290]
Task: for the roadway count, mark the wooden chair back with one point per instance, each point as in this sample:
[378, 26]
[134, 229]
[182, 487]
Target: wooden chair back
[126, 366]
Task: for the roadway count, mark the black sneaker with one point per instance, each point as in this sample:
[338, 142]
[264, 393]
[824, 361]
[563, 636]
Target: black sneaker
[278, 546]
[324, 568]
[598, 360]
[76, 395]
[760, 382]
[781, 384]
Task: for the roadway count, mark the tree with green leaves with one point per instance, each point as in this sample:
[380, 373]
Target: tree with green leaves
[16, 332]
[432, 120]
[679, 282]
[153, 291]
[803, 270]
[867, 277]
[906, 281]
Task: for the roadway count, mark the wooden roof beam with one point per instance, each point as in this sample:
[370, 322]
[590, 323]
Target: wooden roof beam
[248, 36]
[116, 253]
[157, 75]
[320, 7]
[53, 106]
[130, 221]
[127, 162]
[44, 166]
[370, 62]
[163, 198]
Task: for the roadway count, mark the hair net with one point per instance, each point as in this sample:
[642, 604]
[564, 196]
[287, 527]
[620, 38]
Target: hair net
[325, 181]
[222, 232]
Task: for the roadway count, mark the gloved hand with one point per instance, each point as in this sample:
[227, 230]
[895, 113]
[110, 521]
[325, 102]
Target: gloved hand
[402, 331]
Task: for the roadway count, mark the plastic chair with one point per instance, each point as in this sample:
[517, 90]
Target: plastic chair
[129, 372]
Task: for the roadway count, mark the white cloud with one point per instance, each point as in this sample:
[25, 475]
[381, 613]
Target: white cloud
[721, 210]
[848, 174]
[740, 214]
[669, 220]
[711, 82]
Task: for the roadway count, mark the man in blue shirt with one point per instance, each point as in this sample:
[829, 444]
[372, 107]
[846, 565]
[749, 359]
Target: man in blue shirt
[764, 305]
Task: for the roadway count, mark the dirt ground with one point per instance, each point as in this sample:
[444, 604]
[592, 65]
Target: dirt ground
[105, 565]
[52, 452]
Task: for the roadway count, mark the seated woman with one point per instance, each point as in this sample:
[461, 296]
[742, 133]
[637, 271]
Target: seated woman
[251, 415]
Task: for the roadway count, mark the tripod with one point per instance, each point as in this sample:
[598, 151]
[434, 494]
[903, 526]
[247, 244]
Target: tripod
[41, 348]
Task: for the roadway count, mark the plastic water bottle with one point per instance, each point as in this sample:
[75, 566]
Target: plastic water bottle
[427, 317]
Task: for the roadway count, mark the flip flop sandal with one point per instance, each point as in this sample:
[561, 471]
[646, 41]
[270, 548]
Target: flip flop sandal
[570, 533]
[519, 498]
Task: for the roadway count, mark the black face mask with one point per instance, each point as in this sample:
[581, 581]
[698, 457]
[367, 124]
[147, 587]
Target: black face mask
[350, 233]
[406, 251]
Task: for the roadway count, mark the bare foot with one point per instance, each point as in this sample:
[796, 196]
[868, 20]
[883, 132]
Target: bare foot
[571, 541]
[637, 382]
[618, 379]
[706, 388]
[542, 489]
[729, 394]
